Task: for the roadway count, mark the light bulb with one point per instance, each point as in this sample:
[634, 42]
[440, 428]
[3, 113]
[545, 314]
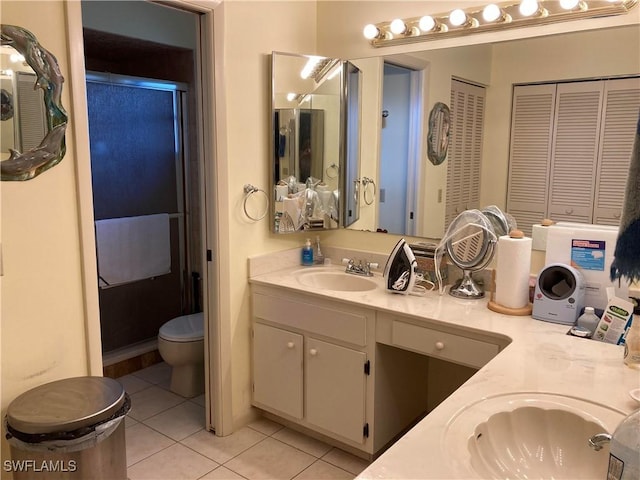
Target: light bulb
[370, 32]
[491, 13]
[427, 23]
[457, 17]
[291, 97]
[528, 7]
[569, 4]
[397, 27]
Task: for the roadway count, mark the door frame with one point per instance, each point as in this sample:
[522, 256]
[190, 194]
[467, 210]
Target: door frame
[217, 352]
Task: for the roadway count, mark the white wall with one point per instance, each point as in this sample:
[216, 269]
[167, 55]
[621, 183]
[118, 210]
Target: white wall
[252, 30]
[42, 304]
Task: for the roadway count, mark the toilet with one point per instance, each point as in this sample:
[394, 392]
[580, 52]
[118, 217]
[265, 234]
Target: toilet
[181, 345]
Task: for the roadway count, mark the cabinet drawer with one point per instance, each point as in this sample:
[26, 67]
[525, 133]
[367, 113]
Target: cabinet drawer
[342, 325]
[463, 350]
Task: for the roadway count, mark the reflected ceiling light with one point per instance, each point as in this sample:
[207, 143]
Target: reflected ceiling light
[495, 16]
[291, 97]
[493, 13]
[309, 66]
[16, 58]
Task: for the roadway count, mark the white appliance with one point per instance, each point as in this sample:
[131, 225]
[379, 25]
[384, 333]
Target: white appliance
[559, 294]
[590, 250]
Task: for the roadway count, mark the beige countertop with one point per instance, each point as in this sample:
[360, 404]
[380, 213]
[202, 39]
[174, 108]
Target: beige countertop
[540, 362]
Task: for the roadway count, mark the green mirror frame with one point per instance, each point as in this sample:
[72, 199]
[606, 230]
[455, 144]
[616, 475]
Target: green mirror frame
[28, 165]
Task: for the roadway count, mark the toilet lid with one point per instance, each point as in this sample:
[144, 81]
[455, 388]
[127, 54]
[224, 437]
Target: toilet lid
[186, 328]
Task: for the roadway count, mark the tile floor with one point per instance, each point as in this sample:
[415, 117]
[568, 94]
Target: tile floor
[166, 440]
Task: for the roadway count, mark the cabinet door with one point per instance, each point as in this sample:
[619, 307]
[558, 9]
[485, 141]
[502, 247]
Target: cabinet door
[335, 389]
[277, 369]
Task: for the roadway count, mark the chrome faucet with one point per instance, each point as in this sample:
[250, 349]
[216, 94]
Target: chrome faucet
[361, 268]
[597, 441]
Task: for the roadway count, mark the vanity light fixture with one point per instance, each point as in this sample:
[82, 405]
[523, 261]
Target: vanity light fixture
[492, 17]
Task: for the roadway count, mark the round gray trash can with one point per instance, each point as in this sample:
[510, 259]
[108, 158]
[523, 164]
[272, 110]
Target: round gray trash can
[69, 429]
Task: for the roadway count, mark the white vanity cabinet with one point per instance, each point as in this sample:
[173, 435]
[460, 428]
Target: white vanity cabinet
[311, 363]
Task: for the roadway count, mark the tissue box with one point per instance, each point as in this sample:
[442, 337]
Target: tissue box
[615, 321]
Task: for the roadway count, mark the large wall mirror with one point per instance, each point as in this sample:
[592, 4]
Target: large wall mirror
[400, 90]
[33, 119]
[315, 155]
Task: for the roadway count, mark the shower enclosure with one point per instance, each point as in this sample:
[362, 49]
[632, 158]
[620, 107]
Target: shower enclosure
[140, 168]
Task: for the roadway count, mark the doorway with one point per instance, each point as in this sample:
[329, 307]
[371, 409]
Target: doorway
[399, 149]
[159, 173]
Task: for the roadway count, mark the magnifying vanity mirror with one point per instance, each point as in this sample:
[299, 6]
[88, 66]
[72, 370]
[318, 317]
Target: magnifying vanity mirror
[439, 176]
[33, 119]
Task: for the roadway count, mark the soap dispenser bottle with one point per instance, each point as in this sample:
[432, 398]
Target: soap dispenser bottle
[307, 253]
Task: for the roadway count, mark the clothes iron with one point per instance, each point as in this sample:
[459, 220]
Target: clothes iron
[400, 271]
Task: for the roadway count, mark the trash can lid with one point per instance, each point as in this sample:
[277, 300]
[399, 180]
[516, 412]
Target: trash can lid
[65, 405]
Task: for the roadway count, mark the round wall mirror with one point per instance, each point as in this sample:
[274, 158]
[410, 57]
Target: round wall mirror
[438, 138]
[33, 119]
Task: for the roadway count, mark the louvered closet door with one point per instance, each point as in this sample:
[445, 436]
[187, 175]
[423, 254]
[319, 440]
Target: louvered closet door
[530, 150]
[620, 117]
[464, 157]
[575, 151]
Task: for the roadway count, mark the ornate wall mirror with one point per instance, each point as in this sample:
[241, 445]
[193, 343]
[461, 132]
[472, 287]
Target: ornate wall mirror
[307, 139]
[33, 119]
[438, 138]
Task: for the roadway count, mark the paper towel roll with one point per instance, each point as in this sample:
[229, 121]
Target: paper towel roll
[512, 271]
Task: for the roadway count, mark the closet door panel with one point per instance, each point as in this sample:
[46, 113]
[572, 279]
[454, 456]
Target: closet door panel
[465, 149]
[529, 153]
[575, 151]
[620, 117]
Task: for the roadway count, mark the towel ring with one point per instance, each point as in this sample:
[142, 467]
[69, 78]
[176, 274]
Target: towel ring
[250, 190]
[365, 182]
[333, 168]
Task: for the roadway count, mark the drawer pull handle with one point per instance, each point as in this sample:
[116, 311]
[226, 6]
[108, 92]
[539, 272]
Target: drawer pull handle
[313, 352]
[290, 345]
[439, 346]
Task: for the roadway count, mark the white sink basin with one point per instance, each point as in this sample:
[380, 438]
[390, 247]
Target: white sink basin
[336, 281]
[533, 442]
[532, 435]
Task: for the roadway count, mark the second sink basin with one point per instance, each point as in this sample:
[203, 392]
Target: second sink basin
[532, 442]
[333, 280]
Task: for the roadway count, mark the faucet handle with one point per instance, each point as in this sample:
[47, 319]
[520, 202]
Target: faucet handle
[373, 265]
[347, 261]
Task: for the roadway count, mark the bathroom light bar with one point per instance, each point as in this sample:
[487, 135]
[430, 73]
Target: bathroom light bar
[493, 17]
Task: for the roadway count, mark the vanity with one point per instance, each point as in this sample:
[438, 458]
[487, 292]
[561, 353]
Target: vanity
[407, 379]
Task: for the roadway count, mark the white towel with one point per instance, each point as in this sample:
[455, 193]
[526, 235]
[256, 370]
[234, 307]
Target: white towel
[133, 248]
